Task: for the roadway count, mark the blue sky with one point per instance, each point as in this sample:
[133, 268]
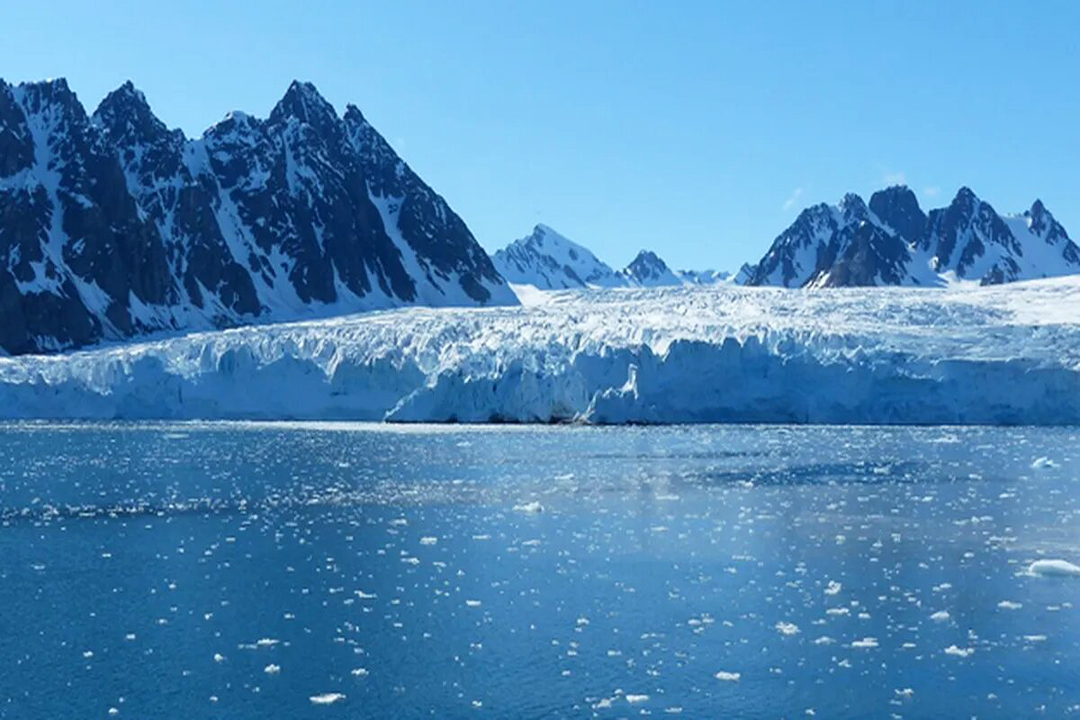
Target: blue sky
[697, 129]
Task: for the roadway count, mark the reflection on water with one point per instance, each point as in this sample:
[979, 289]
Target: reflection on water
[249, 570]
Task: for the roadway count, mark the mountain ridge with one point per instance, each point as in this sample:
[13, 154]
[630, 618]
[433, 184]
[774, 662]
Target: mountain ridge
[892, 241]
[114, 226]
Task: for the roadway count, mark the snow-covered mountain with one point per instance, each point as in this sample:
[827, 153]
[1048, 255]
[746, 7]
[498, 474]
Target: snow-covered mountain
[893, 242]
[716, 277]
[550, 261]
[998, 354]
[648, 270]
[113, 226]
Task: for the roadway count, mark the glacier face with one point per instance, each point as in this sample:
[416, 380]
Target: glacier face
[998, 354]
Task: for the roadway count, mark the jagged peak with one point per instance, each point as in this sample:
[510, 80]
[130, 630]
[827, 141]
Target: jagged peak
[54, 84]
[853, 207]
[812, 216]
[965, 196]
[36, 94]
[896, 191]
[126, 108]
[353, 115]
[647, 258]
[234, 120]
[541, 231]
[128, 90]
[303, 102]
[1038, 209]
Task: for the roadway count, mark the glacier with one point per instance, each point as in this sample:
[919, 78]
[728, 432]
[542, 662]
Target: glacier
[1005, 354]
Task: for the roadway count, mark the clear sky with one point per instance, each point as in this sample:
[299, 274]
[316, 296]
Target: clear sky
[697, 129]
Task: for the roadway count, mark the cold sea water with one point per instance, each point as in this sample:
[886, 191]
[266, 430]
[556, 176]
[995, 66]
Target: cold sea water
[247, 570]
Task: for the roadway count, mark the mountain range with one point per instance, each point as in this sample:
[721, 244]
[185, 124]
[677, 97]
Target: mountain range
[112, 225]
[891, 241]
[550, 261]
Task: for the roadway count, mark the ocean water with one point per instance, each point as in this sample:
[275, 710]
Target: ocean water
[242, 570]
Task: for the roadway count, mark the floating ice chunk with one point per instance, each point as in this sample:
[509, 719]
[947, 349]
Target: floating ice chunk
[429, 540]
[1059, 568]
[530, 507]
[326, 698]
[1043, 463]
[637, 698]
[824, 640]
[359, 672]
[1035, 638]
[833, 588]
[787, 628]
[218, 657]
[472, 603]
[728, 676]
[959, 651]
[272, 669]
[266, 642]
[865, 644]
[905, 693]
[837, 611]
[1009, 605]
[940, 616]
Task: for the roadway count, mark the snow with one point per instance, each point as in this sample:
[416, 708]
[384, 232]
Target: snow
[964, 355]
[547, 260]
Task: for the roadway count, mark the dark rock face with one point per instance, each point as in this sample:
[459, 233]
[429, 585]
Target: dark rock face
[800, 252]
[648, 270]
[892, 242]
[115, 226]
[967, 230]
[899, 209]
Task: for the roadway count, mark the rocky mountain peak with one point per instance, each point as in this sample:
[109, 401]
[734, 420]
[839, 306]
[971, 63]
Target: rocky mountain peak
[303, 103]
[125, 113]
[898, 207]
[122, 227]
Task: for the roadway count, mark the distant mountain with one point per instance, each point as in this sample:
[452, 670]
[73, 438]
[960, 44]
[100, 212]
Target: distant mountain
[114, 226]
[892, 241]
[550, 261]
[716, 277]
[703, 277]
[648, 270]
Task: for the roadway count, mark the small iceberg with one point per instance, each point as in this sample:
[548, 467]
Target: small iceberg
[326, 698]
[1054, 568]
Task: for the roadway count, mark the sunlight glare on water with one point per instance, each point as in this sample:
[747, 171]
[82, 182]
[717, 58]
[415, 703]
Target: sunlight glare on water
[323, 570]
